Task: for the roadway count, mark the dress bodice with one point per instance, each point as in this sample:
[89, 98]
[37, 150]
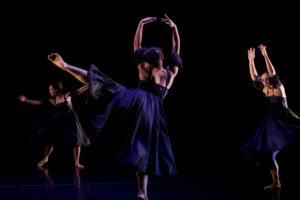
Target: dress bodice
[276, 101]
[154, 88]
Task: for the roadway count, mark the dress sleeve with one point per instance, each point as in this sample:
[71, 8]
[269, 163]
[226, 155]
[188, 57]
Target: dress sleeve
[101, 85]
[275, 81]
[175, 60]
[257, 83]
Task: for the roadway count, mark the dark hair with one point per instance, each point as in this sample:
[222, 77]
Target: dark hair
[153, 55]
[57, 85]
[139, 56]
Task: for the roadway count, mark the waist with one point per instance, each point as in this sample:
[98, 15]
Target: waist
[154, 88]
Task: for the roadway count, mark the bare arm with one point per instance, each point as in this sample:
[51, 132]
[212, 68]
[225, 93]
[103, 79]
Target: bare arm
[78, 73]
[78, 91]
[82, 89]
[270, 67]
[252, 69]
[175, 45]
[175, 34]
[174, 72]
[137, 42]
[23, 99]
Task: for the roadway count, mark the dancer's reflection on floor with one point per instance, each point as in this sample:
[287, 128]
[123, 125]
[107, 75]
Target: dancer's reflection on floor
[49, 181]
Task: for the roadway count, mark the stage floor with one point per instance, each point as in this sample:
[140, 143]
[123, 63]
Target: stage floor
[54, 183]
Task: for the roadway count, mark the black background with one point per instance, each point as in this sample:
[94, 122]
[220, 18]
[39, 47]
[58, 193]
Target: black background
[211, 109]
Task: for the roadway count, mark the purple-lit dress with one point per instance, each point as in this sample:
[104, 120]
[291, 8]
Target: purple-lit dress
[135, 123]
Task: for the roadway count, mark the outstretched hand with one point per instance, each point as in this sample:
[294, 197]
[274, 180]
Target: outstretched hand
[263, 49]
[148, 20]
[168, 21]
[251, 54]
[22, 98]
[57, 60]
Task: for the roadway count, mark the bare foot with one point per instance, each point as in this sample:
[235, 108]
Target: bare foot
[142, 197]
[41, 163]
[272, 187]
[79, 166]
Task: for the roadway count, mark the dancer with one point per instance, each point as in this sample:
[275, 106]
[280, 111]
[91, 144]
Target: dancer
[144, 142]
[279, 127]
[61, 126]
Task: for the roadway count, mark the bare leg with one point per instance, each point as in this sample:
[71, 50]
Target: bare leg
[78, 73]
[276, 194]
[76, 152]
[46, 175]
[275, 174]
[77, 176]
[142, 181]
[48, 151]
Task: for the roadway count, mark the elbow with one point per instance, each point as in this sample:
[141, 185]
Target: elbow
[176, 49]
[173, 70]
[136, 46]
[254, 77]
[273, 73]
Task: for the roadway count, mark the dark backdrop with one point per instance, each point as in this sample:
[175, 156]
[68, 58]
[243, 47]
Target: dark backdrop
[211, 109]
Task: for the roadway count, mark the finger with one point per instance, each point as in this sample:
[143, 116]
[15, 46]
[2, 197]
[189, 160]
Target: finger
[51, 56]
[166, 16]
[164, 20]
[152, 19]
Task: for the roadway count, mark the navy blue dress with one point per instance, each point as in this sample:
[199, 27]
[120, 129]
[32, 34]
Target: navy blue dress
[279, 127]
[60, 125]
[135, 121]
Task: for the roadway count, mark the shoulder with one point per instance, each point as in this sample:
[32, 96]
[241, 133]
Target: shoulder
[144, 66]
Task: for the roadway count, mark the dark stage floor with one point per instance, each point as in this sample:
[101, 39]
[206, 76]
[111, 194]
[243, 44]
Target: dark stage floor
[106, 184]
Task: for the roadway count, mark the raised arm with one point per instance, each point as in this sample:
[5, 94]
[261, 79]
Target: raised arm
[270, 67]
[137, 42]
[175, 61]
[78, 91]
[252, 69]
[175, 34]
[24, 99]
[82, 89]
[78, 73]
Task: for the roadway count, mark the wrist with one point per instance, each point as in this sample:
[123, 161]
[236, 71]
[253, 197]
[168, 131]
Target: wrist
[65, 66]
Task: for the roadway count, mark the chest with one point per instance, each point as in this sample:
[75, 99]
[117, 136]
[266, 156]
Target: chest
[59, 100]
[272, 92]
